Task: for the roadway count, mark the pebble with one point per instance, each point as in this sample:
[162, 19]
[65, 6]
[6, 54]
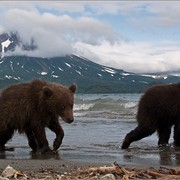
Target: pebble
[108, 177]
[3, 178]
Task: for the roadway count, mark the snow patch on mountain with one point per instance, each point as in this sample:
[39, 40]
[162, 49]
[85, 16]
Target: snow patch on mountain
[68, 65]
[5, 44]
[109, 70]
[43, 73]
[79, 72]
[60, 69]
[155, 76]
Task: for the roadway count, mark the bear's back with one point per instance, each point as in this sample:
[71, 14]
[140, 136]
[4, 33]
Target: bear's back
[160, 102]
[162, 94]
[22, 90]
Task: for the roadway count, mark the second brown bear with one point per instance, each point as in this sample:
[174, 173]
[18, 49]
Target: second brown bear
[159, 109]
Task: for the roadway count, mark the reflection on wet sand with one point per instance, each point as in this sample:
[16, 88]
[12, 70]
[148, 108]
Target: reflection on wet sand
[164, 155]
[26, 153]
[141, 155]
[169, 155]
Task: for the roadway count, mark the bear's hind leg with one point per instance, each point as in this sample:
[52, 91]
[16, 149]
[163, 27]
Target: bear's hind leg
[164, 135]
[5, 136]
[177, 134]
[138, 133]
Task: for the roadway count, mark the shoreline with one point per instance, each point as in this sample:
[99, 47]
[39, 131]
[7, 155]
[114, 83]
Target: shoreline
[39, 164]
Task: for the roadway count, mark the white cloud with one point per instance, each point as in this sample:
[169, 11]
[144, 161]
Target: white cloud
[54, 35]
[61, 28]
[136, 57]
[166, 13]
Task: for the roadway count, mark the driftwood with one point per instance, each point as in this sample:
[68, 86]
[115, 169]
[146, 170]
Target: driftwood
[100, 170]
[161, 175]
[115, 171]
[120, 172]
[175, 171]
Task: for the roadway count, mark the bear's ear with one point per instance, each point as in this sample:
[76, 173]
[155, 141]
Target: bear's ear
[47, 91]
[73, 88]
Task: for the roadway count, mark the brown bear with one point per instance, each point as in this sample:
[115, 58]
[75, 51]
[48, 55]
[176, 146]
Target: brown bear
[159, 109]
[31, 107]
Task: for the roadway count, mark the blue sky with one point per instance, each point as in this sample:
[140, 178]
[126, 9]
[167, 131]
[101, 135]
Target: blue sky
[137, 36]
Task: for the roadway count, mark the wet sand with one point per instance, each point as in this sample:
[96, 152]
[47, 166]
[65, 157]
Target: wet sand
[70, 160]
[36, 165]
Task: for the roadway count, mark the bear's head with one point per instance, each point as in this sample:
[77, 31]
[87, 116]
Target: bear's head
[59, 100]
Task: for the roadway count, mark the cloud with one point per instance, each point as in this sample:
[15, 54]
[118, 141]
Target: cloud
[139, 57]
[61, 28]
[165, 14]
[55, 35]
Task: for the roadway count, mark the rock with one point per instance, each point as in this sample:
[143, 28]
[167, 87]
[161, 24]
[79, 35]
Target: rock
[48, 178]
[108, 177]
[8, 172]
[3, 178]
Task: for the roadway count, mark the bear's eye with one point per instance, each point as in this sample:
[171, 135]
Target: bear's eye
[63, 107]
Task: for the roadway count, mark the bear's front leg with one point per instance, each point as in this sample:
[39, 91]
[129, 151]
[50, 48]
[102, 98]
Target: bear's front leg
[31, 140]
[57, 129]
[40, 136]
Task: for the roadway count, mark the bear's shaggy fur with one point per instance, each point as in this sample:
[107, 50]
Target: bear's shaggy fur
[31, 107]
[159, 109]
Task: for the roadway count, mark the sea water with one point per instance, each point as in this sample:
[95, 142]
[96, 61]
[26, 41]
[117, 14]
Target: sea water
[101, 123]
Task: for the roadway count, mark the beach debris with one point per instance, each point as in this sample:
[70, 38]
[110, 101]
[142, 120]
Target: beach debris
[175, 171]
[108, 177]
[119, 172]
[10, 172]
[3, 178]
[112, 172]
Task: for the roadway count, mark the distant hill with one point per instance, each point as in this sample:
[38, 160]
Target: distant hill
[89, 76]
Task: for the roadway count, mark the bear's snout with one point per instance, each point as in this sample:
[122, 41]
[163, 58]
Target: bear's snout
[67, 115]
[68, 120]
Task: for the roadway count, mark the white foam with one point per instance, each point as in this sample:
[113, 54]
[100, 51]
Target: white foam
[83, 106]
[130, 105]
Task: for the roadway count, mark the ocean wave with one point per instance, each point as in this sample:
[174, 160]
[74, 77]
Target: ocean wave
[130, 105]
[82, 107]
[110, 106]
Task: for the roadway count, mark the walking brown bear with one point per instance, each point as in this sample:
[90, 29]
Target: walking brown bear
[31, 107]
[159, 109]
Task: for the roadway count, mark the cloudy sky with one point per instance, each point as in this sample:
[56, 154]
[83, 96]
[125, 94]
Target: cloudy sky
[137, 36]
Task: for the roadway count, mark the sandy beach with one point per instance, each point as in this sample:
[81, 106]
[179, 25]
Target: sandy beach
[41, 168]
[36, 165]
[62, 169]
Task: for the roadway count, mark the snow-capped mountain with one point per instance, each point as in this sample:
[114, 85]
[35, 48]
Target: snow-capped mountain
[89, 76]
